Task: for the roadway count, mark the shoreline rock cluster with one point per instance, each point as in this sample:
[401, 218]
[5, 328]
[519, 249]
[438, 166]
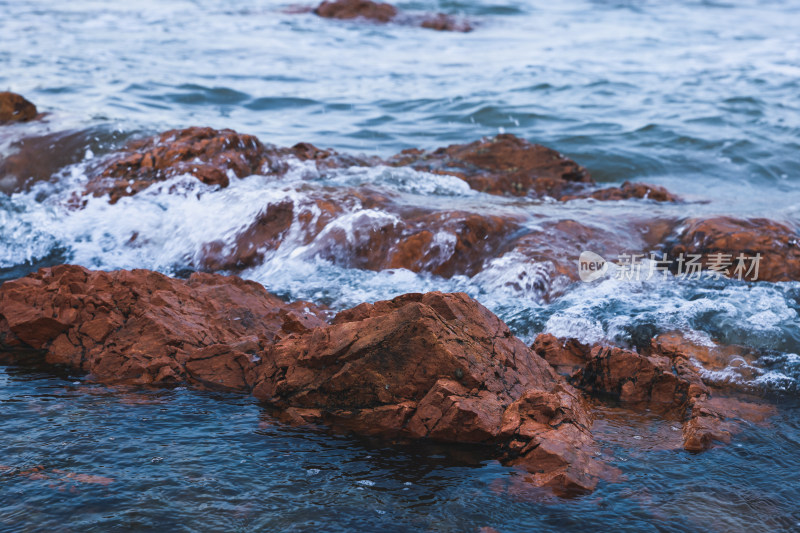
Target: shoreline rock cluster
[435, 366]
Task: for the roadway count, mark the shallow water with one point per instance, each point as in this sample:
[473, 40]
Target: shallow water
[700, 97]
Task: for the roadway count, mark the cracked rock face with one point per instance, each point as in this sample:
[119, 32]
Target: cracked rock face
[665, 379]
[438, 366]
[142, 327]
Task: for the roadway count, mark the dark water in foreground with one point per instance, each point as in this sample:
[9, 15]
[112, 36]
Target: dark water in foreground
[185, 460]
[698, 96]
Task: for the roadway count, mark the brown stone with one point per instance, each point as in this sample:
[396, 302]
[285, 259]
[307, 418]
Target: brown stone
[665, 379]
[777, 244]
[142, 327]
[442, 22]
[504, 165]
[627, 191]
[437, 366]
[15, 108]
[567, 356]
[212, 156]
[350, 9]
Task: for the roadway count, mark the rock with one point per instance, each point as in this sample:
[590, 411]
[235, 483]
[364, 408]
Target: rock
[143, 327]
[640, 379]
[503, 165]
[716, 419]
[350, 9]
[722, 240]
[442, 22]
[627, 191]
[382, 13]
[15, 108]
[665, 379]
[437, 366]
[566, 356]
[363, 228]
[212, 156]
[39, 158]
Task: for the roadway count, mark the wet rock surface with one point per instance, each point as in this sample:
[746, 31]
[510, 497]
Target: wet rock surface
[628, 191]
[503, 165]
[143, 327]
[722, 240]
[434, 365]
[15, 108]
[212, 156]
[350, 9]
[665, 379]
[382, 13]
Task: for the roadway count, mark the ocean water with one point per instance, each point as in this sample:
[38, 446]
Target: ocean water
[700, 97]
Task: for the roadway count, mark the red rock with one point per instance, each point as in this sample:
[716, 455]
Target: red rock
[39, 158]
[142, 327]
[567, 356]
[666, 379]
[504, 165]
[350, 9]
[438, 366]
[627, 191]
[15, 108]
[442, 22]
[212, 156]
[635, 378]
[778, 245]
[445, 243]
[382, 13]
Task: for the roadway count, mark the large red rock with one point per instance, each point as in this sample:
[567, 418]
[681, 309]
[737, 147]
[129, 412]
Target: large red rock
[143, 327]
[438, 366]
[726, 238]
[15, 108]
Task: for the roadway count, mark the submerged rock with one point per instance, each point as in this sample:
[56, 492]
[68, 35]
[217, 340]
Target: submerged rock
[721, 241]
[438, 366]
[15, 108]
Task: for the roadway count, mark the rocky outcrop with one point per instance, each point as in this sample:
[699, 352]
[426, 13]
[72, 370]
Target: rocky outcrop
[382, 13]
[665, 379]
[722, 240]
[212, 156]
[15, 108]
[434, 365]
[503, 165]
[145, 328]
